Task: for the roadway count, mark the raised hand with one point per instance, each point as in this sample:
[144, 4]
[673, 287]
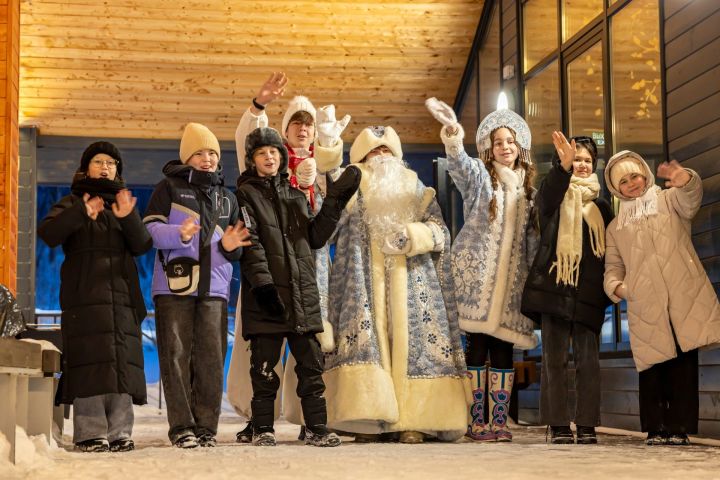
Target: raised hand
[442, 112]
[328, 127]
[188, 228]
[235, 236]
[566, 151]
[93, 206]
[675, 174]
[124, 203]
[306, 172]
[273, 88]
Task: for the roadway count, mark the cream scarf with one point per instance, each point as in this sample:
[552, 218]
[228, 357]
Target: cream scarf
[632, 211]
[578, 205]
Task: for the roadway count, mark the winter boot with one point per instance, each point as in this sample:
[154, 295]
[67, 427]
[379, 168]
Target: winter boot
[367, 437]
[263, 436]
[207, 440]
[478, 430]
[678, 439]
[500, 384]
[245, 435]
[320, 436]
[657, 438]
[189, 440]
[411, 437]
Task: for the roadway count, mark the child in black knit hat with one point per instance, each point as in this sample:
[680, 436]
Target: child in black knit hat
[279, 290]
[100, 231]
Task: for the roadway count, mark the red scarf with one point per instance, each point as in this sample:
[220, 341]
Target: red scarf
[293, 162]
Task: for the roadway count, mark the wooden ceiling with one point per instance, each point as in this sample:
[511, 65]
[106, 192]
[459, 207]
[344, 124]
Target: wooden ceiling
[144, 68]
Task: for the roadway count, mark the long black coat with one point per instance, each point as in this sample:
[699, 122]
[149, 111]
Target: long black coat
[585, 303]
[283, 236]
[102, 306]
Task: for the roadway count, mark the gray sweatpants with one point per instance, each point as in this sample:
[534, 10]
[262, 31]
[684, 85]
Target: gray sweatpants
[192, 342]
[108, 416]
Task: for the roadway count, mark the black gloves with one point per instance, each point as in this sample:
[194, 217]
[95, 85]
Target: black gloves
[268, 298]
[345, 186]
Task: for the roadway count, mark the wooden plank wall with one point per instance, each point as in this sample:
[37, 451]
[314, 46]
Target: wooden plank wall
[144, 68]
[9, 138]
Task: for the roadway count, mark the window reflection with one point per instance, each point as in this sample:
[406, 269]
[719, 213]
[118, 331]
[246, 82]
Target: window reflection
[542, 113]
[489, 58]
[577, 14]
[636, 89]
[585, 99]
[539, 31]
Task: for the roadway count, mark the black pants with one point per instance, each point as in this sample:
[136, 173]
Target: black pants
[192, 342]
[669, 398]
[556, 337]
[265, 352]
[480, 345]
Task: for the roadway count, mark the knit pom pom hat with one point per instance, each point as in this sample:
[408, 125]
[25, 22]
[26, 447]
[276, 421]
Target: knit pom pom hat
[197, 137]
[373, 137]
[101, 147]
[298, 104]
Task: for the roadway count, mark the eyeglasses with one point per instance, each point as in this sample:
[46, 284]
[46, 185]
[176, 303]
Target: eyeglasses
[105, 163]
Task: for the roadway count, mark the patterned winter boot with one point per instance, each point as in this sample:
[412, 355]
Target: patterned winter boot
[500, 386]
[478, 430]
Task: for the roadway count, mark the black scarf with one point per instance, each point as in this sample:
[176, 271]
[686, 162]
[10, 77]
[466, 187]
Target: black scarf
[97, 187]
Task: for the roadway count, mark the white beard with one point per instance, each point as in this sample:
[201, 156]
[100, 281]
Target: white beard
[390, 202]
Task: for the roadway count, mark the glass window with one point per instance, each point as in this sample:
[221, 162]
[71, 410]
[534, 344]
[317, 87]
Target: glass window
[577, 14]
[540, 36]
[635, 74]
[542, 113]
[489, 58]
[468, 116]
[585, 99]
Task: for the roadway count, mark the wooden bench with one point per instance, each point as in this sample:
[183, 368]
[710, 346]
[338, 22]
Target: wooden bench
[26, 389]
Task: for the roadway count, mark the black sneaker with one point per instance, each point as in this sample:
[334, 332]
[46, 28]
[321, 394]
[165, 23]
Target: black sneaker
[122, 445]
[586, 435]
[320, 436]
[678, 440]
[264, 439]
[95, 445]
[207, 440]
[561, 435]
[245, 435]
[186, 441]
[656, 438]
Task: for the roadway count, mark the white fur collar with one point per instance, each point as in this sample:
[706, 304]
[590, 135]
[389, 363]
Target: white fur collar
[509, 177]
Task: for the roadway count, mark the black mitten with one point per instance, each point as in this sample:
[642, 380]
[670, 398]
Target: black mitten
[268, 299]
[345, 186]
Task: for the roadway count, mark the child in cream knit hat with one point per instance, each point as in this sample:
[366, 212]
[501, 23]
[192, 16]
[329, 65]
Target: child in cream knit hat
[672, 307]
[193, 220]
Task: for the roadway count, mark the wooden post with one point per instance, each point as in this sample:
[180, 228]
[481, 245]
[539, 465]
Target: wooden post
[9, 139]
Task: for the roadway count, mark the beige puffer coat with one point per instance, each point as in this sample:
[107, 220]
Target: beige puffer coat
[666, 286]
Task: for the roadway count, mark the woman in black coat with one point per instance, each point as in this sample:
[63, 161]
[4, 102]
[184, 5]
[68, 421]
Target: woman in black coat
[100, 231]
[564, 289]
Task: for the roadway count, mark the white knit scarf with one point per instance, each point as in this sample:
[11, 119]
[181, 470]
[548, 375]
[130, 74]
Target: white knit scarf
[634, 210]
[578, 205]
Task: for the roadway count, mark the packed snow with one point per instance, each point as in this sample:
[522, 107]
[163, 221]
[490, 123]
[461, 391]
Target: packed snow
[618, 456]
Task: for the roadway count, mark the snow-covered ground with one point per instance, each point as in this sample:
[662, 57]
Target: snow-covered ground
[528, 457]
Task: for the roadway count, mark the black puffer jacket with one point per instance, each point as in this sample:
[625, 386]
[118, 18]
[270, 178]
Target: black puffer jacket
[283, 236]
[102, 306]
[585, 303]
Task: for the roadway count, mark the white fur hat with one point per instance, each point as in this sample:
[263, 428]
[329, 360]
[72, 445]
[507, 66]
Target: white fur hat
[298, 104]
[373, 137]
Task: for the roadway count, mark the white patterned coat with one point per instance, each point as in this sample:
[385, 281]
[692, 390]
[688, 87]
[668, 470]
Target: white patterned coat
[398, 362]
[490, 260]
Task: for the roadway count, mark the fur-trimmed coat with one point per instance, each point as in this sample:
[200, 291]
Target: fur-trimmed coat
[490, 260]
[398, 362]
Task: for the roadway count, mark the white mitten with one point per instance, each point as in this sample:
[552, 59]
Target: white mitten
[326, 338]
[442, 112]
[306, 171]
[397, 243]
[329, 129]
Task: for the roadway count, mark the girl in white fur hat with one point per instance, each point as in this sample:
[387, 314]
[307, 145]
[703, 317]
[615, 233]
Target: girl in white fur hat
[491, 256]
[673, 310]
